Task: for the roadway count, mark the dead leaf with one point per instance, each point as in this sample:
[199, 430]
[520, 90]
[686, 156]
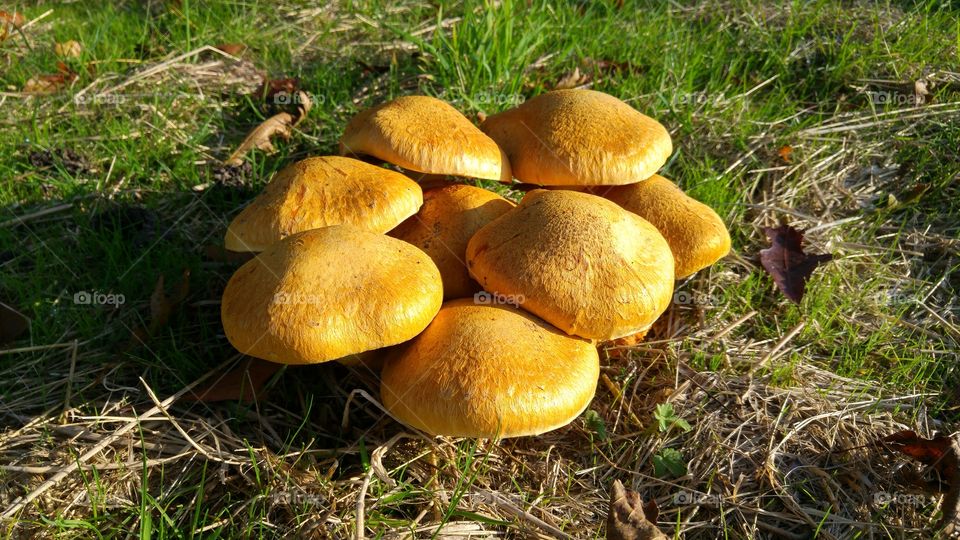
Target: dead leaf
[49, 84]
[786, 262]
[244, 383]
[785, 152]
[233, 49]
[272, 87]
[921, 92]
[162, 306]
[942, 454]
[279, 125]
[10, 22]
[630, 518]
[572, 79]
[68, 49]
[12, 323]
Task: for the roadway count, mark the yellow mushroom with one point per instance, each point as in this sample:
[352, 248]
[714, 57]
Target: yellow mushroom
[578, 261]
[579, 137]
[449, 217]
[489, 371]
[322, 191]
[696, 234]
[426, 135]
[328, 293]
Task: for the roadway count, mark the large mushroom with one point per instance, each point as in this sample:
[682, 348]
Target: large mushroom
[579, 137]
[578, 261]
[449, 217]
[325, 294]
[696, 234]
[322, 191]
[426, 135]
[489, 371]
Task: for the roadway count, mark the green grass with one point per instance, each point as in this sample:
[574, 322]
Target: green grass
[732, 79]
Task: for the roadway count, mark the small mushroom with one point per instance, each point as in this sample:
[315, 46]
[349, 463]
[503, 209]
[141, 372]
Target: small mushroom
[449, 217]
[322, 191]
[696, 234]
[426, 135]
[328, 293]
[579, 137]
[577, 261]
[489, 371]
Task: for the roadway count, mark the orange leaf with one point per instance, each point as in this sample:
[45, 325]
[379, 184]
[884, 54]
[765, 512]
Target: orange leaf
[785, 152]
[234, 49]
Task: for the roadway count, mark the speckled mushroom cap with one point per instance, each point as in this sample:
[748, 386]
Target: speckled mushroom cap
[324, 294]
[489, 371]
[322, 191]
[696, 234]
[577, 261]
[427, 135]
[579, 137]
[447, 220]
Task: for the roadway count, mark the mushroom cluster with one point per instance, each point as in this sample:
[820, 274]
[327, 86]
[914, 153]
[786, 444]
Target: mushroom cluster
[485, 315]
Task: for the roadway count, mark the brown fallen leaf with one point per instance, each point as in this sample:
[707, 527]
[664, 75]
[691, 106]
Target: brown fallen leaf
[49, 84]
[271, 87]
[279, 125]
[162, 306]
[12, 323]
[68, 49]
[786, 262]
[942, 454]
[630, 518]
[572, 79]
[244, 383]
[234, 49]
[10, 22]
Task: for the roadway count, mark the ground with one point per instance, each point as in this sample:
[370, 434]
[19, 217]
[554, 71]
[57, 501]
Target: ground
[836, 117]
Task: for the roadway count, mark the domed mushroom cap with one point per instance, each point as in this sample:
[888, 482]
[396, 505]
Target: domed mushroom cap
[425, 134]
[323, 294]
[696, 234]
[445, 223]
[579, 137]
[489, 371]
[323, 191]
[577, 261]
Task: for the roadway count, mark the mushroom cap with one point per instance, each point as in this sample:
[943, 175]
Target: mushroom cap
[447, 220]
[322, 191]
[324, 294]
[489, 371]
[427, 135]
[577, 261]
[579, 137]
[696, 234]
